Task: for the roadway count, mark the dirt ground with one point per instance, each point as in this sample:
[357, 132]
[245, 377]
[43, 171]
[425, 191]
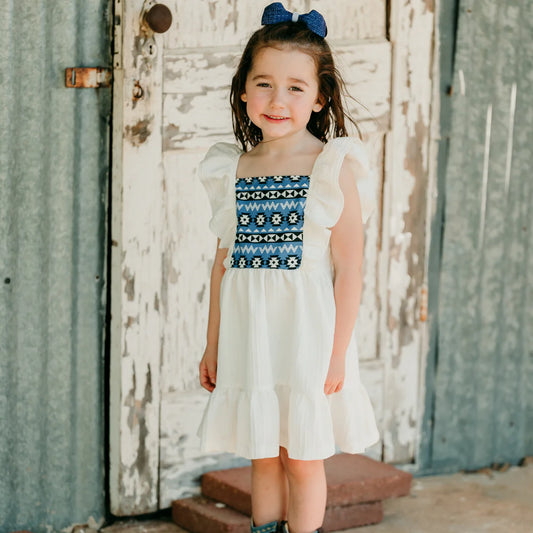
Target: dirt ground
[486, 501]
[495, 502]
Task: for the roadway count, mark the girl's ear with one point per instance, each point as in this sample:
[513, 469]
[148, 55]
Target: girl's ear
[318, 105]
[243, 97]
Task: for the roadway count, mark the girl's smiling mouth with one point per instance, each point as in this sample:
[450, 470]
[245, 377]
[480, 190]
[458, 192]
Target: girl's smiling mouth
[275, 118]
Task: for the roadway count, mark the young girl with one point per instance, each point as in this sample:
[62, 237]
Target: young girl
[280, 360]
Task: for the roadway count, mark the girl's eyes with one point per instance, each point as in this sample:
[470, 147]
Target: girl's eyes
[293, 88]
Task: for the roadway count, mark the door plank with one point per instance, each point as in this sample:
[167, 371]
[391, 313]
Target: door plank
[136, 257]
[403, 255]
[197, 84]
[230, 22]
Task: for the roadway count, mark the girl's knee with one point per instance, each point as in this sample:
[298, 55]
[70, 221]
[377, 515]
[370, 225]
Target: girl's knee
[266, 463]
[299, 469]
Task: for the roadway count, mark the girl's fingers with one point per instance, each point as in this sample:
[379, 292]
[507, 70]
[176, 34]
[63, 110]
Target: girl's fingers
[207, 370]
[206, 384]
[330, 388]
[212, 373]
[206, 380]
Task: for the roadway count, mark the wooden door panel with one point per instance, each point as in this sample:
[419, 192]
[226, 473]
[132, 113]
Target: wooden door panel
[196, 92]
[201, 23]
[196, 113]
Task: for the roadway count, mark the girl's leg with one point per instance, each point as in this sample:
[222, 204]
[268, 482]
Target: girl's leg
[308, 491]
[269, 490]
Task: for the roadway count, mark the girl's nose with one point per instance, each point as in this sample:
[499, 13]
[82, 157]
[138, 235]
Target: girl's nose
[277, 100]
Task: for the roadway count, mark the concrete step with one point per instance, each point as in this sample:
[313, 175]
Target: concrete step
[351, 479]
[203, 515]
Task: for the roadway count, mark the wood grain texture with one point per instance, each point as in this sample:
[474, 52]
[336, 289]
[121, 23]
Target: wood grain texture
[136, 256]
[203, 23]
[196, 92]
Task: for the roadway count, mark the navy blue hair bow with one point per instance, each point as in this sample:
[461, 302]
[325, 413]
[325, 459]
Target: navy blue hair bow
[275, 13]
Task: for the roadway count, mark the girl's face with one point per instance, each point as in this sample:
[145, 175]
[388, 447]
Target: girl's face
[281, 92]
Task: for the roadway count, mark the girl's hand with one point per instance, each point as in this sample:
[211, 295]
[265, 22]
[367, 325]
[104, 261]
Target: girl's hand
[208, 369]
[335, 377]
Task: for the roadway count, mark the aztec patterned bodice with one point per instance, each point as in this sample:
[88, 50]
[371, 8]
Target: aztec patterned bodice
[270, 217]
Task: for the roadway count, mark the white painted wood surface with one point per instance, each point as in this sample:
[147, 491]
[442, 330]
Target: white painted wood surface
[137, 255]
[403, 254]
[164, 251]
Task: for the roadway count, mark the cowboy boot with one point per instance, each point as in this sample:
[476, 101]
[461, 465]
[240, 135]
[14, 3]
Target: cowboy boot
[271, 527]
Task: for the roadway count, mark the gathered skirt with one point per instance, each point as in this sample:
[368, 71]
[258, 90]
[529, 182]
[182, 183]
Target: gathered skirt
[275, 342]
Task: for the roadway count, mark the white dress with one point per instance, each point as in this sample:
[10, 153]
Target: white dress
[278, 312]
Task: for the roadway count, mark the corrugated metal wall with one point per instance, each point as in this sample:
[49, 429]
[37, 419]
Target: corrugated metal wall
[53, 197]
[483, 392]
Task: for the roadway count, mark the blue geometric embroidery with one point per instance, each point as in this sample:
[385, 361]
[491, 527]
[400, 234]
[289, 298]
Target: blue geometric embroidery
[270, 218]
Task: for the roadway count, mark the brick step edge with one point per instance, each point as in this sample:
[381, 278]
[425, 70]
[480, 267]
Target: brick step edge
[351, 479]
[203, 515]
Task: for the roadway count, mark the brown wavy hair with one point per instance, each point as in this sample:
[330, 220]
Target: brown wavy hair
[326, 123]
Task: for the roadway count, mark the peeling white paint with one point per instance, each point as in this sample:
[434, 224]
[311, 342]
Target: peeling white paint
[196, 100]
[202, 24]
[136, 232]
[402, 273]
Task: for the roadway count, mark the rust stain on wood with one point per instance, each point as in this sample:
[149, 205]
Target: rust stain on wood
[430, 5]
[136, 421]
[129, 288]
[139, 132]
[132, 320]
[201, 293]
[413, 219]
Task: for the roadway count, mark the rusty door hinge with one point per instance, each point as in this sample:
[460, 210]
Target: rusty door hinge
[91, 77]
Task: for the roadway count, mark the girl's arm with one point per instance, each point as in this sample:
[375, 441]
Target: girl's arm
[347, 253]
[208, 364]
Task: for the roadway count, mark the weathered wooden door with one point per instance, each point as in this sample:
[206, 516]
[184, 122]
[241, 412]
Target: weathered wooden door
[171, 105]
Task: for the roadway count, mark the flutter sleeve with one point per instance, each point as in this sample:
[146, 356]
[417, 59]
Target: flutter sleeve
[217, 174]
[329, 198]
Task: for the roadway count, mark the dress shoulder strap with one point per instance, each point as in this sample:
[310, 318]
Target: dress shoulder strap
[217, 173]
[325, 179]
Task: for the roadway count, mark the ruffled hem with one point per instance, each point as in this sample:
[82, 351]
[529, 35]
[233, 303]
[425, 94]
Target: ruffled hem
[254, 424]
[354, 424]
